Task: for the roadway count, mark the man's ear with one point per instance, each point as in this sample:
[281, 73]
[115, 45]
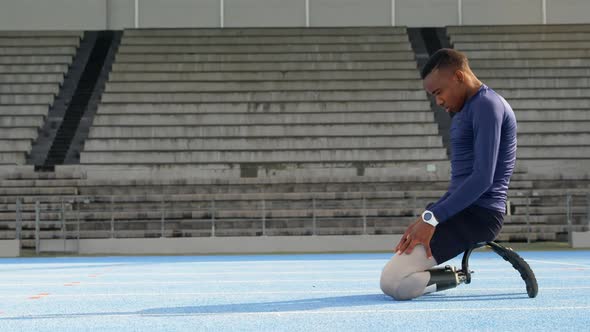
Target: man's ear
[459, 75]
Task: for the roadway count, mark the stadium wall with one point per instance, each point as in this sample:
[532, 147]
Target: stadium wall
[9, 248]
[120, 14]
[224, 245]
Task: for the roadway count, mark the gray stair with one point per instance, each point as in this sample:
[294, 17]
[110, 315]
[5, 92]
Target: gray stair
[541, 71]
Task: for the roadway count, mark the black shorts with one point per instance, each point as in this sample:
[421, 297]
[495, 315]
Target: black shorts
[464, 230]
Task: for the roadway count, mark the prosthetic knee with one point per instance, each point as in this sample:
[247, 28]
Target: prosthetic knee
[444, 278]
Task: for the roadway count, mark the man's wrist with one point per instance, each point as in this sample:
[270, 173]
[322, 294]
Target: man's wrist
[429, 218]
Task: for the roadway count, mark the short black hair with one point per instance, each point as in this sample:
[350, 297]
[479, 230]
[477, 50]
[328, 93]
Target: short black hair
[444, 58]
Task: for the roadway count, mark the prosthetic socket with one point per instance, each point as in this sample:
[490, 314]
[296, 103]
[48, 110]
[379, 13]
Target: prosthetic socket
[444, 278]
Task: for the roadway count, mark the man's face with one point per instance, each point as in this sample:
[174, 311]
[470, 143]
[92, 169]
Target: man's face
[447, 88]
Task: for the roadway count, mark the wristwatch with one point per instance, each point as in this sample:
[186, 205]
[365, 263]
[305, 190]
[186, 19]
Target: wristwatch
[429, 218]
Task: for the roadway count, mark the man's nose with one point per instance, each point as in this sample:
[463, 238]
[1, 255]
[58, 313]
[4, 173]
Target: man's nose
[439, 101]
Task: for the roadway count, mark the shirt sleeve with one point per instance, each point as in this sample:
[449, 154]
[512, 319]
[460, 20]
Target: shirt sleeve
[440, 200]
[487, 127]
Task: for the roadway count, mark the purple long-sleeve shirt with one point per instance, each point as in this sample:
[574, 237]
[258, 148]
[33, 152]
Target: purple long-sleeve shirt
[483, 155]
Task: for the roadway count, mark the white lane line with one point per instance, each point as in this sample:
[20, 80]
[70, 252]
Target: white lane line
[371, 291]
[475, 278]
[169, 294]
[466, 289]
[194, 282]
[378, 311]
[190, 282]
[412, 311]
[256, 281]
[242, 273]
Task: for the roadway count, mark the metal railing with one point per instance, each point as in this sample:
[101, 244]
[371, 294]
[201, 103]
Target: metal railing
[572, 213]
[161, 216]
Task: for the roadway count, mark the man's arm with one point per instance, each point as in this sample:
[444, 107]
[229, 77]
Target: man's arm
[440, 200]
[487, 127]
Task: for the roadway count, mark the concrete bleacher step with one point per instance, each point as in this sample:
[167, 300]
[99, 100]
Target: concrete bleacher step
[538, 83]
[567, 167]
[554, 152]
[569, 140]
[33, 68]
[526, 127]
[256, 119]
[49, 50]
[559, 210]
[240, 211]
[557, 181]
[528, 54]
[267, 57]
[31, 78]
[191, 190]
[50, 219]
[266, 131]
[253, 86]
[264, 76]
[187, 66]
[263, 48]
[256, 96]
[560, 192]
[64, 172]
[293, 156]
[511, 94]
[550, 104]
[510, 29]
[134, 192]
[47, 201]
[38, 191]
[210, 207]
[517, 233]
[523, 45]
[35, 59]
[33, 99]
[18, 133]
[21, 121]
[12, 158]
[30, 207]
[545, 73]
[520, 37]
[258, 170]
[282, 32]
[561, 62]
[220, 215]
[23, 110]
[278, 143]
[264, 107]
[552, 115]
[532, 229]
[29, 88]
[262, 40]
[38, 42]
[24, 183]
[240, 188]
[21, 145]
[41, 33]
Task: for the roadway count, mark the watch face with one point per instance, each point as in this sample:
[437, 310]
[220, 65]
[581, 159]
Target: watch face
[427, 216]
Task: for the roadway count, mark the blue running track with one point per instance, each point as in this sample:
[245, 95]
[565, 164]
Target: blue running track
[336, 292]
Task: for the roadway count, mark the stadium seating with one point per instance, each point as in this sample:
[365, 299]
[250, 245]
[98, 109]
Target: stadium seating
[32, 68]
[249, 207]
[309, 102]
[325, 131]
[543, 72]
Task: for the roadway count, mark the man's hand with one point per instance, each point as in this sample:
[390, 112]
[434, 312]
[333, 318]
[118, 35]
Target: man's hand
[418, 232]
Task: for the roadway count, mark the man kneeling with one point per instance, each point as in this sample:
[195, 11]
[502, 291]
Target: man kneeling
[483, 145]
